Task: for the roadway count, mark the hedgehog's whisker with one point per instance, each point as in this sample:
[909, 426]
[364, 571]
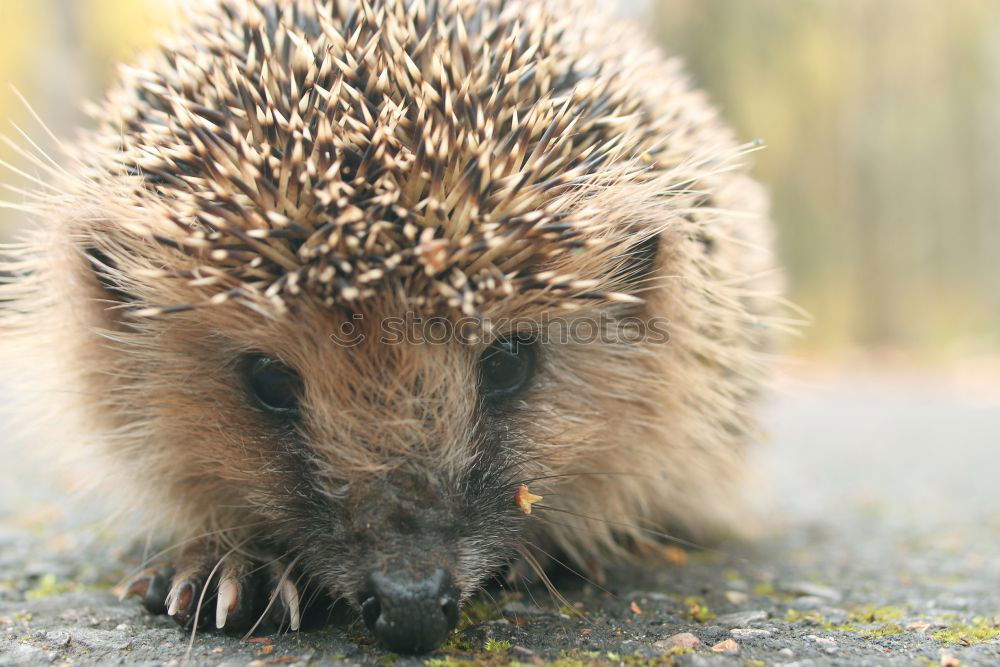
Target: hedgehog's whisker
[314, 591]
[632, 526]
[493, 600]
[571, 569]
[201, 599]
[25, 175]
[274, 594]
[38, 119]
[147, 561]
[557, 597]
[46, 162]
[566, 475]
[524, 583]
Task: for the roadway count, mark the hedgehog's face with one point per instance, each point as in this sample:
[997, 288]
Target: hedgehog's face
[386, 467]
[400, 487]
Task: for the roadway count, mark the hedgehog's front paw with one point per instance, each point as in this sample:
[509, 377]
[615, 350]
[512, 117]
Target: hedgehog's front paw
[233, 594]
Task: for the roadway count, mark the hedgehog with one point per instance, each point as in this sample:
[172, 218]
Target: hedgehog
[365, 303]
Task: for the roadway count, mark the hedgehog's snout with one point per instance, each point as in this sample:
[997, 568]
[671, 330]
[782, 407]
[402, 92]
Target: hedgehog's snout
[408, 528]
[410, 613]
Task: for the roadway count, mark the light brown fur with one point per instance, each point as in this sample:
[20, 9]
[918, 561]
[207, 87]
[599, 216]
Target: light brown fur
[663, 426]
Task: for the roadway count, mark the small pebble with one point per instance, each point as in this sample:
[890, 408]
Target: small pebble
[57, 638]
[801, 588]
[786, 653]
[742, 617]
[749, 633]
[680, 640]
[825, 643]
[807, 603]
[736, 597]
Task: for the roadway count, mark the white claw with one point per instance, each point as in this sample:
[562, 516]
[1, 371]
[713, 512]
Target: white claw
[172, 601]
[226, 601]
[290, 596]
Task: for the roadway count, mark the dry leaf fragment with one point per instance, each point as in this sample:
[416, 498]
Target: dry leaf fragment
[675, 556]
[525, 498]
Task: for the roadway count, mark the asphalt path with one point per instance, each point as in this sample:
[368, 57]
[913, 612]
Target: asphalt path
[881, 545]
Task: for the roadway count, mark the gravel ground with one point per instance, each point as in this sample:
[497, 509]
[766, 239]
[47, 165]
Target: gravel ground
[882, 549]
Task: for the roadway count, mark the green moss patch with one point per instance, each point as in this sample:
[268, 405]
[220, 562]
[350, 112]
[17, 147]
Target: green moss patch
[980, 630]
[866, 621]
[48, 586]
[870, 614]
[887, 630]
[497, 645]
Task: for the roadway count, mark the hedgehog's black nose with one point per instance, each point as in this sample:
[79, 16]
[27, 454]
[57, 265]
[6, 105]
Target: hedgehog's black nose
[410, 616]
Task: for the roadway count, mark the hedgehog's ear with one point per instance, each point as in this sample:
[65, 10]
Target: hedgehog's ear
[107, 275]
[644, 257]
[636, 273]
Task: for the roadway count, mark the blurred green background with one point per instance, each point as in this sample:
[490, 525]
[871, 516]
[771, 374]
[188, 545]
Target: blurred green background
[881, 120]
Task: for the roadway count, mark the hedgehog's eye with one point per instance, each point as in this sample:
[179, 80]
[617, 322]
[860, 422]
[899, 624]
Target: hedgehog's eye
[273, 385]
[507, 366]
